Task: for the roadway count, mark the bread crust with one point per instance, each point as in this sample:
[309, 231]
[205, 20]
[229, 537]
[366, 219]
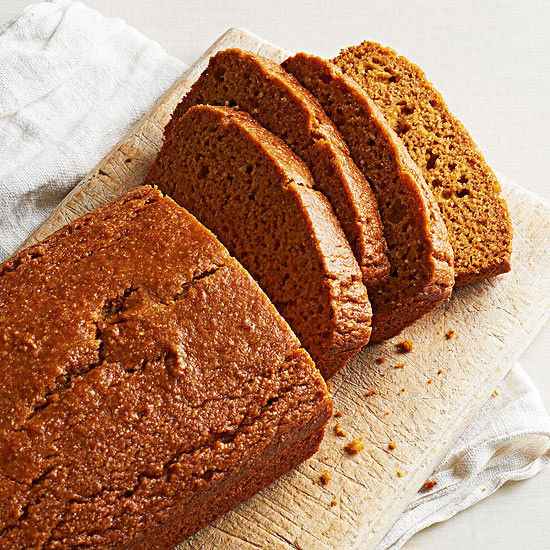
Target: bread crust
[145, 377]
[397, 304]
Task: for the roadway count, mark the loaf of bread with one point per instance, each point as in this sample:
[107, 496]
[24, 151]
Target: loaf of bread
[259, 86]
[468, 194]
[257, 197]
[147, 383]
[420, 254]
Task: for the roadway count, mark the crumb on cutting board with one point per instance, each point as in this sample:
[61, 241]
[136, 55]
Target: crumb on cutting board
[428, 485]
[450, 334]
[399, 473]
[338, 414]
[391, 445]
[354, 446]
[372, 391]
[495, 393]
[334, 502]
[405, 346]
[324, 478]
[380, 360]
[339, 431]
[439, 371]
[399, 366]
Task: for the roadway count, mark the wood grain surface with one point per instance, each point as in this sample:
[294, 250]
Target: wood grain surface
[422, 407]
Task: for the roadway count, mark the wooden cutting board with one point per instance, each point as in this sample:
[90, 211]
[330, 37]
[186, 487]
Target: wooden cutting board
[422, 407]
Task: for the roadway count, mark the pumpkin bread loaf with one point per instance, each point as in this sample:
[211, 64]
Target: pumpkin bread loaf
[468, 194]
[257, 196]
[147, 384]
[419, 251]
[259, 86]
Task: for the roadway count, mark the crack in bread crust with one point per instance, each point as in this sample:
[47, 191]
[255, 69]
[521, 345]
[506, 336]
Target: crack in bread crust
[143, 373]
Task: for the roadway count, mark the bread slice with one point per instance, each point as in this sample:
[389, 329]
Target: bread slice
[147, 385]
[419, 251]
[262, 88]
[464, 186]
[257, 196]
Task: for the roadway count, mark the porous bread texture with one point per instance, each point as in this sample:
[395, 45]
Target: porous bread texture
[259, 86]
[257, 196]
[147, 385]
[420, 255]
[467, 191]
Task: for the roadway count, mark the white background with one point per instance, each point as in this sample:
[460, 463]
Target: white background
[491, 61]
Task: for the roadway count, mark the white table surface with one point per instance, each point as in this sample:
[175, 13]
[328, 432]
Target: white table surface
[491, 61]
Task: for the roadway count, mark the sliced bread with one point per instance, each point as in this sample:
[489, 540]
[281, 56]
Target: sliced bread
[464, 186]
[275, 99]
[257, 196]
[421, 257]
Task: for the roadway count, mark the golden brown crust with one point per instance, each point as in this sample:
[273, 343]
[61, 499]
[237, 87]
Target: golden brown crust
[262, 205]
[144, 377]
[275, 99]
[269, 468]
[419, 249]
[467, 191]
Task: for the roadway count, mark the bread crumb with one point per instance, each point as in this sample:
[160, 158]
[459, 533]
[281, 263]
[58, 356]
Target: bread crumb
[330, 385]
[428, 485]
[401, 390]
[334, 502]
[439, 371]
[391, 446]
[381, 360]
[387, 413]
[450, 334]
[430, 381]
[483, 490]
[405, 346]
[129, 159]
[399, 366]
[372, 391]
[324, 478]
[339, 431]
[338, 414]
[353, 447]
[495, 393]
[399, 473]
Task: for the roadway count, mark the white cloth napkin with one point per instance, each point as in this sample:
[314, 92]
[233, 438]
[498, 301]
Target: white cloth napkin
[508, 440]
[72, 83]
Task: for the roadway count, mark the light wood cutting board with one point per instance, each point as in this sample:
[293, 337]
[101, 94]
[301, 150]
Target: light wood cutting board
[423, 407]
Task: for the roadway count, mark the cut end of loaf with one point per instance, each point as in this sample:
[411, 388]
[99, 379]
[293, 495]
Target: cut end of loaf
[261, 205]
